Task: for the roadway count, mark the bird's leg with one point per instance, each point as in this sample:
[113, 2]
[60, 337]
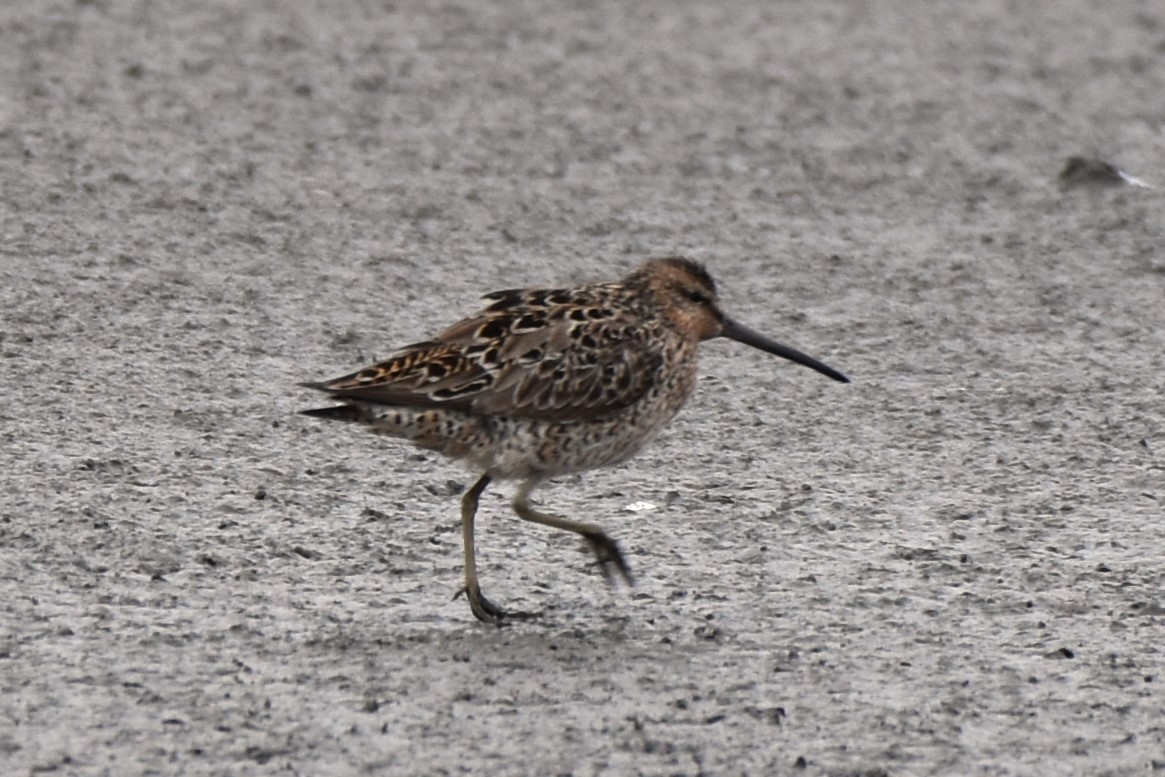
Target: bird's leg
[606, 550]
[483, 609]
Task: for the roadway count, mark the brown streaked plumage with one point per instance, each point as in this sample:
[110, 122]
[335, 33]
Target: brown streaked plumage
[546, 382]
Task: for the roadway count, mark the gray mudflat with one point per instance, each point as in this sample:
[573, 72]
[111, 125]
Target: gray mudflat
[954, 565]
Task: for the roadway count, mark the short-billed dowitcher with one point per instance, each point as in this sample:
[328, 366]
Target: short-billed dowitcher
[545, 382]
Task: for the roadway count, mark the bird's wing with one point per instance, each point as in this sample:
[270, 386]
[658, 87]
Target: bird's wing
[551, 355]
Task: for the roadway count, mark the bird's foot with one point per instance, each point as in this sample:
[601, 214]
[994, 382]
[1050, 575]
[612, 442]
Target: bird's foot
[488, 612]
[609, 556]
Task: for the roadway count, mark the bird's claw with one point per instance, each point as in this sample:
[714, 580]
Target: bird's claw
[608, 555]
[488, 612]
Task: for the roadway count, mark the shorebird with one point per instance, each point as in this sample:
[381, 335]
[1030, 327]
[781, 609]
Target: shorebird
[546, 382]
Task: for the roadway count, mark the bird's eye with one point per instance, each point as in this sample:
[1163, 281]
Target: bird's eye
[697, 296]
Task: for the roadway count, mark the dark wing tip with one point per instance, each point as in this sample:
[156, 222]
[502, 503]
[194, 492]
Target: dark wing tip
[336, 413]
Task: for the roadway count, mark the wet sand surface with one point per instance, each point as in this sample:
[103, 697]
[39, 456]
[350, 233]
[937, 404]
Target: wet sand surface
[954, 565]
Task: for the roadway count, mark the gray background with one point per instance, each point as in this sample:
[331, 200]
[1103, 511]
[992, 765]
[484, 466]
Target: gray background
[953, 565]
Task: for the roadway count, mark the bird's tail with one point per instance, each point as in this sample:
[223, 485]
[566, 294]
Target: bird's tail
[430, 429]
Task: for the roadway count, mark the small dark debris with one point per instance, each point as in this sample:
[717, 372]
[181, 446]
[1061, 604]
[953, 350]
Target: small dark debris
[173, 722]
[208, 560]
[707, 632]
[1090, 171]
[261, 494]
[372, 705]
[800, 763]
[1066, 652]
[771, 715]
[98, 465]
[708, 721]
[307, 553]
[372, 514]
[448, 488]
[262, 755]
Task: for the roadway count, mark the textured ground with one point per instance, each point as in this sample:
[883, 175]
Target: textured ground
[955, 565]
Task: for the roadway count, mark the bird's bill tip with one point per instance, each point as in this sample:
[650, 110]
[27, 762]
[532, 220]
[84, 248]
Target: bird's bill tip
[734, 330]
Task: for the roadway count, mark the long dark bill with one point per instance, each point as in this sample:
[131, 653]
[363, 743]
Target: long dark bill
[742, 334]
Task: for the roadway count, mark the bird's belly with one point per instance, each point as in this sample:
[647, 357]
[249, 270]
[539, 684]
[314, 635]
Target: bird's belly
[525, 448]
[537, 449]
